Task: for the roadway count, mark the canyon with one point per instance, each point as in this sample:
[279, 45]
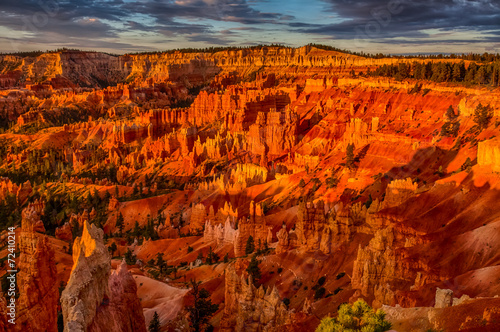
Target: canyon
[131, 177]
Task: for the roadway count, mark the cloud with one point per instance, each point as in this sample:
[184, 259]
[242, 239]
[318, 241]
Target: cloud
[385, 19]
[132, 24]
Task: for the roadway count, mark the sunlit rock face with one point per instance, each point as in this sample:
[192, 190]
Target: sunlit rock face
[344, 185]
[94, 299]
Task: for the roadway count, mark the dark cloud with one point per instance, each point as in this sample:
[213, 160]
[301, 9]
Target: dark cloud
[381, 19]
[107, 18]
[223, 22]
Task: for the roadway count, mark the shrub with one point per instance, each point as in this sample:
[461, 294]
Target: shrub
[319, 293]
[358, 317]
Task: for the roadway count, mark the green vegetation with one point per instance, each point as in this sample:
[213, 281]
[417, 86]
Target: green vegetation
[250, 246]
[483, 115]
[357, 317]
[154, 324]
[253, 269]
[202, 309]
[483, 74]
[451, 127]
[349, 163]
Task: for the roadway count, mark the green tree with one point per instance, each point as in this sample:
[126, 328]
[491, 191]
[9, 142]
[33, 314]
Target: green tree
[137, 229]
[202, 308]
[161, 263]
[357, 317]
[130, 258]
[482, 116]
[119, 223]
[154, 324]
[112, 248]
[250, 247]
[212, 257]
[349, 156]
[253, 268]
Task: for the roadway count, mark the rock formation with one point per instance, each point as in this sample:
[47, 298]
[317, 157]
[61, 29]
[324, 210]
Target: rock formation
[91, 296]
[38, 289]
[248, 308]
[488, 154]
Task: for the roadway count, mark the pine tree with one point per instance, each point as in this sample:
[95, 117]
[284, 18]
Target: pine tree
[154, 324]
[203, 309]
[350, 156]
[250, 247]
[161, 263]
[253, 268]
[112, 248]
[119, 223]
[482, 116]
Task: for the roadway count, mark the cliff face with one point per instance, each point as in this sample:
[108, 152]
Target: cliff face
[39, 295]
[248, 308]
[124, 310]
[488, 154]
[95, 69]
[261, 152]
[93, 300]
[87, 287]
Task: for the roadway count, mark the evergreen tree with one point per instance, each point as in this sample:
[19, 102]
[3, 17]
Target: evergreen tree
[202, 309]
[112, 248]
[350, 156]
[130, 258]
[212, 257]
[154, 324]
[119, 223]
[250, 246]
[137, 229]
[253, 268]
[482, 116]
[161, 263]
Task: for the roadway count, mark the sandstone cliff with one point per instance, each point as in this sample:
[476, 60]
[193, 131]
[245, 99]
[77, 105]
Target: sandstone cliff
[248, 308]
[39, 295]
[91, 296]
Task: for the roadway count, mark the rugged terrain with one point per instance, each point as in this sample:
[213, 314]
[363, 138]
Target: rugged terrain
[129, 176]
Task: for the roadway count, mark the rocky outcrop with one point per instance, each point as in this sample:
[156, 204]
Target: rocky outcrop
[220, 233]
[91, 296]
[398, 191]
[248, 308]
[123, 312]
[87, 287]
[444, 298]
[488, 154]
[198, 218]
[381, 270]
[37, 278]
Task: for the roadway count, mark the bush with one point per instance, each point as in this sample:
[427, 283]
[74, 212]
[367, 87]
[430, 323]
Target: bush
[358, 317]
[319, 293]
[450, 129]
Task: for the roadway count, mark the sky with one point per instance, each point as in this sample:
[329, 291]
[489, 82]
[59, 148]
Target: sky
[373, 26]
